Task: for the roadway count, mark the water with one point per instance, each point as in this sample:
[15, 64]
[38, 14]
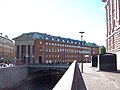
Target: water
[42, 83]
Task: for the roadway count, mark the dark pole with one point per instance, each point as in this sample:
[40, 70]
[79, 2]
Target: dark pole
[81, 51]
[2, 49]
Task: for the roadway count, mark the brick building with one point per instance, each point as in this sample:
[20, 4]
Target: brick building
[113, 27]
[37, 47]
[6, 48]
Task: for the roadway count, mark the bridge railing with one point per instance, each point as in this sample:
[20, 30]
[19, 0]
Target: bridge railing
[60, 63]
[33, 68]
[71, 80]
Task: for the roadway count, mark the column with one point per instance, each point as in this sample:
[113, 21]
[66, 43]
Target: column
[16, 51]
[26, 54]
[20, 53]
[31, 54]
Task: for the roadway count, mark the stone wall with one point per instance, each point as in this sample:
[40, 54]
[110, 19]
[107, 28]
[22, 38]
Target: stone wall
[12, 76]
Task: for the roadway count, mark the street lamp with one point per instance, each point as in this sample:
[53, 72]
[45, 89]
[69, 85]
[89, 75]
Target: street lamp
[81, 50]
[2, 49]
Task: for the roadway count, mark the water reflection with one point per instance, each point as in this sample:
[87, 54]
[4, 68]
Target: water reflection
[42, 83]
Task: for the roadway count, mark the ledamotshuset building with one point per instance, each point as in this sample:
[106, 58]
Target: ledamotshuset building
[37, 47]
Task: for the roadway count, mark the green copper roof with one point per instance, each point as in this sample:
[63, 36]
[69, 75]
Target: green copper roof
[44, 36]
[36, 36]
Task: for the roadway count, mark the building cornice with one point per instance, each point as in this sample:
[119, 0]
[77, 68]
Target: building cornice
[104, 0]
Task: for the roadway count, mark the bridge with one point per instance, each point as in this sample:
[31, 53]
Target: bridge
[34, 68]
[71, 80]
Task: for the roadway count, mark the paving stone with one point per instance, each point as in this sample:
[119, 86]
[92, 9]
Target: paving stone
[100, 80]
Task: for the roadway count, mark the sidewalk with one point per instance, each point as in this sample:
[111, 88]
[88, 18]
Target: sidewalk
[100, 80]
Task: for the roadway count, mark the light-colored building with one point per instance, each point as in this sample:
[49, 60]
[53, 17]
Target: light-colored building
[6, 48]
[113, 27]
[37, 47]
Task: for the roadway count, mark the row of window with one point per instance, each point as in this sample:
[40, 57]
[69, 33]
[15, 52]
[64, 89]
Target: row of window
[65, 50]
[61, 40]
[54, 56]
[6, 49]
[71, 46]
[55, 44]
[50, 61]
[6, 42]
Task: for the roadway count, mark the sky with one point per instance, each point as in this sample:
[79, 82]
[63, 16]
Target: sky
[65, 18]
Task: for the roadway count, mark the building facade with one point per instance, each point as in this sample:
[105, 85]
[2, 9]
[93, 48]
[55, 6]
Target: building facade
[113, 27]
[6, 48]
[37, 47]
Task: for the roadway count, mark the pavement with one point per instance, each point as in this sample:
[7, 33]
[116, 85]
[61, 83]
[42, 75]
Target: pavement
[100, 80]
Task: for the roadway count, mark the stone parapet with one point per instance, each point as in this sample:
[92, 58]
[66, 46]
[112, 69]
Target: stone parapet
[9, 77]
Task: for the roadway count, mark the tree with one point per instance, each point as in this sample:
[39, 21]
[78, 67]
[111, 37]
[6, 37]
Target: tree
[102, 49]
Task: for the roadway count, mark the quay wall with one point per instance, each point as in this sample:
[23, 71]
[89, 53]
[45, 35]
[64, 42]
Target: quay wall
[11, 76]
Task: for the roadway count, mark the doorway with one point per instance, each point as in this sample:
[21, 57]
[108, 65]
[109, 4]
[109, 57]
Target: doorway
[40, 59]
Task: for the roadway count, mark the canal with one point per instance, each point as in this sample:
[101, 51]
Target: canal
[46, 82]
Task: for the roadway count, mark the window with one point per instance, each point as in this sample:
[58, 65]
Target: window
[49, 43]
[49, 55]
[46, 38]
[52, 55]
[52, 49]
[46, 49]
[46, 43]
[55, 50]
[40, 49]
[52, 43]
[49, 50]
[40, 42]
[58, 39]
[53, 39]
[58, 50]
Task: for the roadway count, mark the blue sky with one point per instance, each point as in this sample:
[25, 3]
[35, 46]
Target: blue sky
[65, 18]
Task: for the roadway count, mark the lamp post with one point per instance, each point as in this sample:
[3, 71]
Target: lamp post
[2, 45]
[81, 50]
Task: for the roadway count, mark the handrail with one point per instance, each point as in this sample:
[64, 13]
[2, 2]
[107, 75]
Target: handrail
[71, 80]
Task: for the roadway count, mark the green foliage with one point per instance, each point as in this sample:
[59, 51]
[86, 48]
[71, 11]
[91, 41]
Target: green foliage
[102, 50]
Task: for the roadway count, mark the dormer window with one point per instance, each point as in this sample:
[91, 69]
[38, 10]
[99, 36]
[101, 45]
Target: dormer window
[46, 38]
[58, 39]
[53, 39]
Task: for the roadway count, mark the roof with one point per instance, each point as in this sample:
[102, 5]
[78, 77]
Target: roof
[44, 36]
[5, 38]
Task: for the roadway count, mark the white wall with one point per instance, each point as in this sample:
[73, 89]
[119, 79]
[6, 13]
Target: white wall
[118, 59]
